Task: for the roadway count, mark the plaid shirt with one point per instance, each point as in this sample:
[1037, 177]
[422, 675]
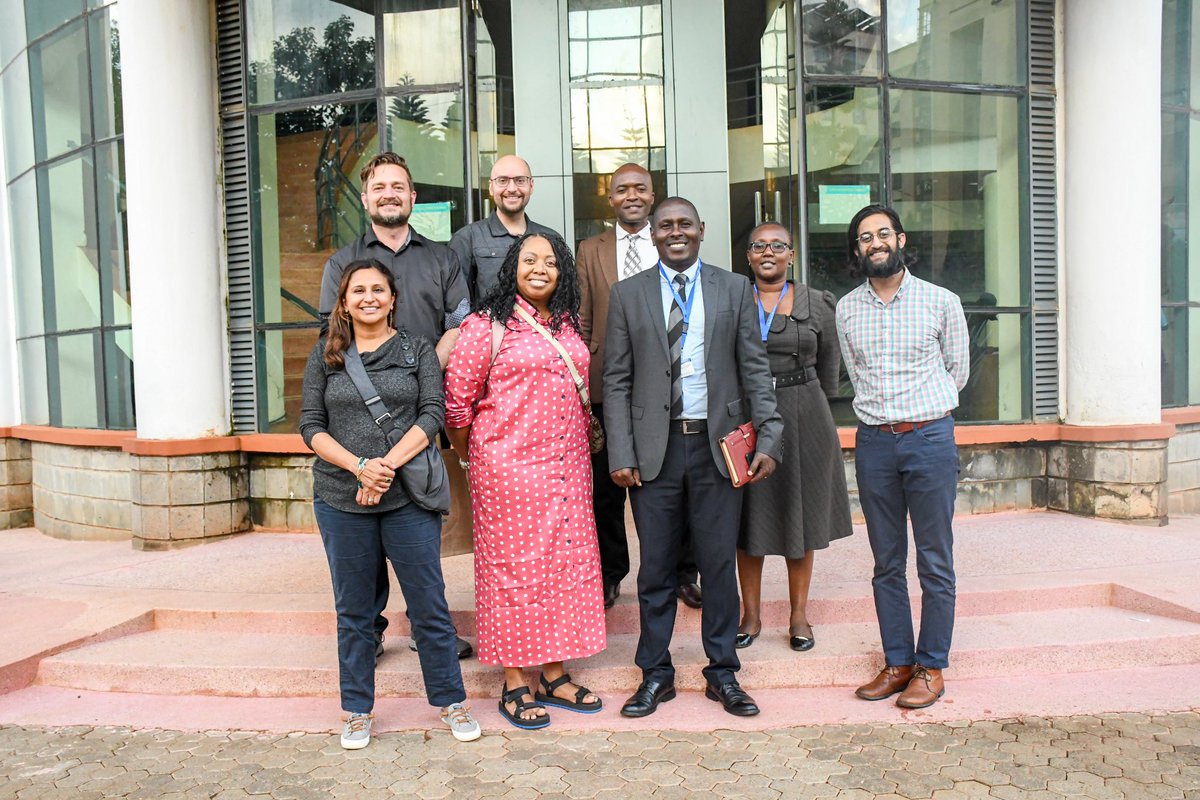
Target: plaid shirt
[907, 359]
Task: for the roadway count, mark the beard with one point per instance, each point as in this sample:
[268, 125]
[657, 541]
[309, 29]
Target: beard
[389, 216]
[882, 269]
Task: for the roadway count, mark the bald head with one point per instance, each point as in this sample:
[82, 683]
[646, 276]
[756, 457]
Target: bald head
[631, 196]
[512, 186]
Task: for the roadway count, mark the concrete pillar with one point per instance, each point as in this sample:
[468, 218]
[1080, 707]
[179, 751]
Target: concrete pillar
[1111, 209]
[176, 266]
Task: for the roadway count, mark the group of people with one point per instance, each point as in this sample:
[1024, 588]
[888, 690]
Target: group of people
[565, 386]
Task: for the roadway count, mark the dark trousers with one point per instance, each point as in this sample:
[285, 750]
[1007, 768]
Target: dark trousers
[688, 493]
[608, 503]
[355, 545]
[915, 475]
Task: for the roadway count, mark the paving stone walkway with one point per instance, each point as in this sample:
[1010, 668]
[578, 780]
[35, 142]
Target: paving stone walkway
[1133, 756]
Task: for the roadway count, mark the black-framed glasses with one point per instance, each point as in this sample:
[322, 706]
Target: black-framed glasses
[883, 235]
[776, 247]
[520, 181]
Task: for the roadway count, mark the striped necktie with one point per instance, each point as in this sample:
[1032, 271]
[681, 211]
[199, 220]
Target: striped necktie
[633, 261]
[675, 342]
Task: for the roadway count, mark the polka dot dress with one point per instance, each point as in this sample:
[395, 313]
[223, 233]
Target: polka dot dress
[538, 590]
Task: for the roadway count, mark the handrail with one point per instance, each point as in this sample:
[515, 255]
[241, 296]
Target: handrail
[299, 303]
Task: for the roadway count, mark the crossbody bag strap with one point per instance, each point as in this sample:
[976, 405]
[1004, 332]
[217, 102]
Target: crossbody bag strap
[362, 382]
[580, 386]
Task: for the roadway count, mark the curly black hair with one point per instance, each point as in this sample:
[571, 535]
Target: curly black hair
[564, 303]
[907, 257]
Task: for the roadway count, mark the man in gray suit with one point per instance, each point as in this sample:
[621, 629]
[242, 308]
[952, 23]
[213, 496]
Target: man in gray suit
[684, 365]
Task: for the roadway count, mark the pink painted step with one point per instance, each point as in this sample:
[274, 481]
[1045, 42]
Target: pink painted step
[301, 661]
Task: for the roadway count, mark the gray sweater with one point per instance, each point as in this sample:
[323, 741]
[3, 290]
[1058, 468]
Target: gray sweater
[408, 377]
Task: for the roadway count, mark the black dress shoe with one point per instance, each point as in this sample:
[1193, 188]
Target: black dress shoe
[465, 650]
[611, 592]
[689, 593]
[646, 699]
[735, 700]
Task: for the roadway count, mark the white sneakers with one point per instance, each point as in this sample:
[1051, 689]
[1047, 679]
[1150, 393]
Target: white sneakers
[462, 724]
[356, 733]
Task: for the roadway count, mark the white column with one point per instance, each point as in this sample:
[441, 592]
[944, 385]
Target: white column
[1111, 212]
[173, 188]
[10, 394]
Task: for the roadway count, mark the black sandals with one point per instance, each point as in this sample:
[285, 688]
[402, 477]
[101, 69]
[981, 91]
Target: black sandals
[516, 696]
[546, 696]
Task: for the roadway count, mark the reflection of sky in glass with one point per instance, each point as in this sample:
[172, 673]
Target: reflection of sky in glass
[280, 17]
[903, 17]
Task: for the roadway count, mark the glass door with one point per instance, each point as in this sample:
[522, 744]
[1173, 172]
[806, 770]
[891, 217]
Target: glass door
[761, 92]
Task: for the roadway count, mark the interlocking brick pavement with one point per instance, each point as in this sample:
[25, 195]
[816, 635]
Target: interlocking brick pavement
[1135, 756]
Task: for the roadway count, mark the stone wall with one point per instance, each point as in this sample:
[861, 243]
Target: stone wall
[281, 492]
[81, 492]
[1113, 480]
[181, 499]
[16, 488]
[1183, 470]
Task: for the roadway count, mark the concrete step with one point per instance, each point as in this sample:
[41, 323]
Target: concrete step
[295, 655]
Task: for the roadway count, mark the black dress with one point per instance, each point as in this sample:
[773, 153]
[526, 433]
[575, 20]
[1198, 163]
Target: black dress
[804, 505]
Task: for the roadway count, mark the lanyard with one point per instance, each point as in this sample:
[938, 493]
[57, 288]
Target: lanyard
[764, 322]
[685, 308]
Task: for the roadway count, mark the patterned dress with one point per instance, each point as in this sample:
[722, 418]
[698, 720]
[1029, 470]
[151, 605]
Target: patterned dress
[538, 592]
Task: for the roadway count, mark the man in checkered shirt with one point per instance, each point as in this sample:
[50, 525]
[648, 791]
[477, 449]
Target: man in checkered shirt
[906, 349]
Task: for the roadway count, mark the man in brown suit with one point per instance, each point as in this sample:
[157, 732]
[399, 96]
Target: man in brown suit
[602, 261]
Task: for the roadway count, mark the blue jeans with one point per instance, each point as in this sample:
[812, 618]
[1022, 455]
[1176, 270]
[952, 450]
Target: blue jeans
[356, 545]
[913, 475]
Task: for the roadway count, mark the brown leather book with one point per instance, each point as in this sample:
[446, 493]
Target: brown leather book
[738, 448]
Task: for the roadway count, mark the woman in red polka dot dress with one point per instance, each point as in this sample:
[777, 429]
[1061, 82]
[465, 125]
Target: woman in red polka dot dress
[513, 414]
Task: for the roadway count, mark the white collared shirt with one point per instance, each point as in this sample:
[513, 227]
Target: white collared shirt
[695, 386]
[645, 248]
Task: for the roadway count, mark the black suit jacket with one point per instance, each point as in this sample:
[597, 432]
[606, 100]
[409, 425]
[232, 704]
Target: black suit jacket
[637, 371]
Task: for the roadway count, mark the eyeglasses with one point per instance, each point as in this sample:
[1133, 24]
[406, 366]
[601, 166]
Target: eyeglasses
[883, 235]
[520, 181]
[775, 247]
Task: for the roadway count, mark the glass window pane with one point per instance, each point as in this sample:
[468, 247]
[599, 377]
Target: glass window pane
[308, 48]
[841, 37]
[956, 185]
[421, 42]
[961, 43]
[996, 388]
[118, 378]
[106, 72]
[1176, 183]
[1193, 348]
[67, 206]
[113, 247]
[617, 102]
[58, 86]
[26, 254]
[844, 161]
[43, 16]
[17, 117]
[427, 129]
[31, 361]
[301, 217]
[282, 356]
[1177, 331]
[79, 397]
[1176, 30]
[493, 115]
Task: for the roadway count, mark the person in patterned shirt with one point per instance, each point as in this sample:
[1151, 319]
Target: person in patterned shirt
[905, 344]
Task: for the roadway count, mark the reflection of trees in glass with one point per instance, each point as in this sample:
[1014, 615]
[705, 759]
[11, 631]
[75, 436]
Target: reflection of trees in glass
[114, 48]
[302, 66]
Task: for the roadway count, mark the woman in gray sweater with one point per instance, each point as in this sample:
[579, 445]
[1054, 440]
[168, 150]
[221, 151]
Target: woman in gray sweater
[362, 511]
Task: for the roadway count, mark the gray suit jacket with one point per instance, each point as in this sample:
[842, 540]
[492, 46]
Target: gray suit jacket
[637, 371]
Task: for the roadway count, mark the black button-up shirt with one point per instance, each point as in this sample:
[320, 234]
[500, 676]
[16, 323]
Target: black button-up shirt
[481, 247]
[429, 283]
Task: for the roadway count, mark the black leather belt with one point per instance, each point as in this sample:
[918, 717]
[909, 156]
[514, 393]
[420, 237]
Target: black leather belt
[795, 378]
[689, 426]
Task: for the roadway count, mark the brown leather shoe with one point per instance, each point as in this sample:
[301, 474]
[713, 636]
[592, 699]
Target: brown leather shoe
[923, 690]
[889, 681]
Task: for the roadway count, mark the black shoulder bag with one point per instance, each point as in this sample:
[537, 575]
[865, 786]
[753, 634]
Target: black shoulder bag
[424, 475]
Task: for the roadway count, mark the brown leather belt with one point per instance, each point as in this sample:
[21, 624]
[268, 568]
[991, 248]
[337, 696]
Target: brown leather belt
[689, 426]
[906, 427]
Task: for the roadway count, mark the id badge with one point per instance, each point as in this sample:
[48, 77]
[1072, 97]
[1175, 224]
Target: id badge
[687, 369]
